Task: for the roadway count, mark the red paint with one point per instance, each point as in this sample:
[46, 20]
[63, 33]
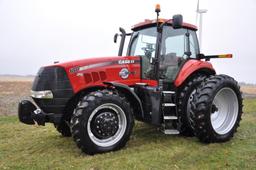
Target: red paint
[190, 67]
[96, 76]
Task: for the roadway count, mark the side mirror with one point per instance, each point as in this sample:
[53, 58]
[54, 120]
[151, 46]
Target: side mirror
[177, 21]
[115, 38]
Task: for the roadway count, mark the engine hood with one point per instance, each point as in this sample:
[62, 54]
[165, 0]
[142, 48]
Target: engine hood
[86, 61]
[91, 72]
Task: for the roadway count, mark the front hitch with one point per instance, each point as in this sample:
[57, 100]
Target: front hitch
[29, 114]
[25, 110]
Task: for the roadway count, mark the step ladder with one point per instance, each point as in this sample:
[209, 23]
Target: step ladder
[169, 111]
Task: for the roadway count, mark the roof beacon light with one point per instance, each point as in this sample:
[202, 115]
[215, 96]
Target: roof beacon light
[158, 9]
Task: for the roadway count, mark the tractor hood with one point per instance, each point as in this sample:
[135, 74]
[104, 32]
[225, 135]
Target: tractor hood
[86, 61]
[93, 72]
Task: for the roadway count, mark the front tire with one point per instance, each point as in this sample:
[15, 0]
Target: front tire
[102, 122]
[216, 109]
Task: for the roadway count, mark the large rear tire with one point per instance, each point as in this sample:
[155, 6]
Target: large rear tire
[216, 109]
[185, 97]
[102, 122]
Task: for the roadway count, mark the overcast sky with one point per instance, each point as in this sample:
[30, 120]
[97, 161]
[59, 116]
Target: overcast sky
[38, 32]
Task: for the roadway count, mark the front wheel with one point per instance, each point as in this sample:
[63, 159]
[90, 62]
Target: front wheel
[102, 122]
[216, 109]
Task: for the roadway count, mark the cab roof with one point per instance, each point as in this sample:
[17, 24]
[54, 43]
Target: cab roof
[148, 23]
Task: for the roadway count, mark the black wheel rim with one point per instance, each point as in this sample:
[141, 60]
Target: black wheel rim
[105, 124]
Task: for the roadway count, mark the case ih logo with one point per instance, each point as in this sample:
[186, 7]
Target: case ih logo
[126, 62]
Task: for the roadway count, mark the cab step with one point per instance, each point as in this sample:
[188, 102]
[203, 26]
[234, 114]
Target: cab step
[170, 131]
[168, 104]
[170, 117]
[169, 111]
[168, 92]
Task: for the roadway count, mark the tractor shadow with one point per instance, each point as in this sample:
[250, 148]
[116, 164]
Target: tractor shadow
[148, 134]
[143, 134]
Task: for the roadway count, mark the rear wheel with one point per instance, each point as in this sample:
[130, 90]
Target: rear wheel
[216, 109]
[185, 97]
[102, 122]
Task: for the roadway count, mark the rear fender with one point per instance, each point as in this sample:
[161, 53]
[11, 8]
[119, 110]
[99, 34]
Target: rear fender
[191, 67]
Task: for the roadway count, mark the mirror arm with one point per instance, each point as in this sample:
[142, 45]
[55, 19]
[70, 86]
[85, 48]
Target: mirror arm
[202, 56]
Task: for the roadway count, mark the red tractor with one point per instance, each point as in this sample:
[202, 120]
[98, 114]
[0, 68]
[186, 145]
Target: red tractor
[163, 80]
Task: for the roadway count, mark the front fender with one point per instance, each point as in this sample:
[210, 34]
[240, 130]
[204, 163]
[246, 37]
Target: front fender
[132, 97]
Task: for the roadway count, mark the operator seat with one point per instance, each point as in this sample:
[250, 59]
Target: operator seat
[169, 66]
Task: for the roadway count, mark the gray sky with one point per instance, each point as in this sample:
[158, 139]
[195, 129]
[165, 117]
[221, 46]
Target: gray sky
[38, 32]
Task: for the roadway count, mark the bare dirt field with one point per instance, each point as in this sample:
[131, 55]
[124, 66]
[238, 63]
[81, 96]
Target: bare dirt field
[16, 78]
[249, 91]
[14, 89]
[11, 92]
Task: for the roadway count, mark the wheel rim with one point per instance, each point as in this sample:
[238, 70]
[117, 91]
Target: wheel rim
[106, 125]
[224, 111]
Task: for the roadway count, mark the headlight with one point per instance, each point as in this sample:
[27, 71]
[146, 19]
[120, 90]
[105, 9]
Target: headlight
[46, 94]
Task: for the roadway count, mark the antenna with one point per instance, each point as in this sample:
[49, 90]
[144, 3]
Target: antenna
[200, 12]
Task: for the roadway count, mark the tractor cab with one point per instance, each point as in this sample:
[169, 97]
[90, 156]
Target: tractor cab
[163, 51]
[164, 46]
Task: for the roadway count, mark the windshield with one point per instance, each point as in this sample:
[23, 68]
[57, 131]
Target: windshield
[143, 43]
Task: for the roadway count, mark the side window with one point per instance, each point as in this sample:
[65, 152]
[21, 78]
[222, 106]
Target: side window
[175, 44]
[174, 50]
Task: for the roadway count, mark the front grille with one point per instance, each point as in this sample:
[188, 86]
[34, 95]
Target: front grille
[54, 79]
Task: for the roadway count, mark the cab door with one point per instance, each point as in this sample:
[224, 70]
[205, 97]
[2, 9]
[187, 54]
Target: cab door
[178, 46]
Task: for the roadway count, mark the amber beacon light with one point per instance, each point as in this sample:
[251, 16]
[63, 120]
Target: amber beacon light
[158, 9]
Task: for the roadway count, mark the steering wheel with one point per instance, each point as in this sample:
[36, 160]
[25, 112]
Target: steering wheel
[148, 50]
